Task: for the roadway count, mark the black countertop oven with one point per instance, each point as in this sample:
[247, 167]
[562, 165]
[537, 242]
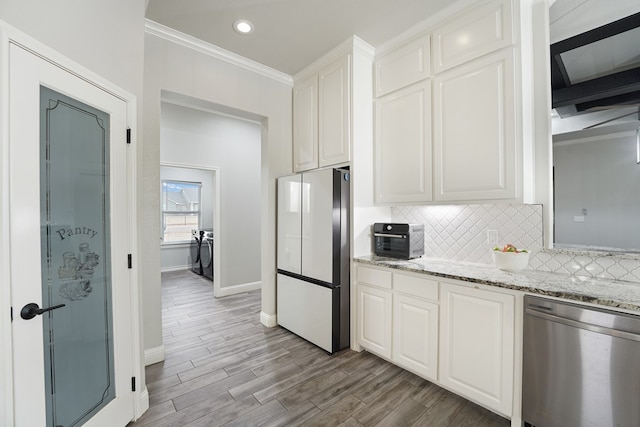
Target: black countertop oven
[404, 241]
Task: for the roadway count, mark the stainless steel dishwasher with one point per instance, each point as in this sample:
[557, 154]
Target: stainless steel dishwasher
[581, 366]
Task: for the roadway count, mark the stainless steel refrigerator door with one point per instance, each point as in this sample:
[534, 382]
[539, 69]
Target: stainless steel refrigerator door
[290, 223]
[318, 228]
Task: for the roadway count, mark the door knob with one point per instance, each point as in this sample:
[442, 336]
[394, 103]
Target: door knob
[32, 310]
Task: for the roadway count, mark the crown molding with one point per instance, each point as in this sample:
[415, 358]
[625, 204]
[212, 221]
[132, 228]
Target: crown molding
[169, 34]
[350, 45]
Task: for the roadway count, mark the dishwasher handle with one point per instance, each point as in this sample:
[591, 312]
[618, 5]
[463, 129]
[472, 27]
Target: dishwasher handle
[585, 326]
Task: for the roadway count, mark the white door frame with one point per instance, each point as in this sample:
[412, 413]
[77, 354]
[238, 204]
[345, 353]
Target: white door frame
[9, 35]
[216, 217]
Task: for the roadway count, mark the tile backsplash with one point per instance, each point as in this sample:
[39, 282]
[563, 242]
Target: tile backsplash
[589, 264]
[459, 232]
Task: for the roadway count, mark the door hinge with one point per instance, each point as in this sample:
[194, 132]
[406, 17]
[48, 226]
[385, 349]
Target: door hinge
[11, 311]
[133, 383]
[128, 135]
[129, 261]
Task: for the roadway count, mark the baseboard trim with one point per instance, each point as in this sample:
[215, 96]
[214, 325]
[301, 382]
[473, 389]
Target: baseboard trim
[154, 355]
[175, 268]
[268, 320]
[236, 289]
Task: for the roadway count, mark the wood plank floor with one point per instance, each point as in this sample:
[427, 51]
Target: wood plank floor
[223, 367]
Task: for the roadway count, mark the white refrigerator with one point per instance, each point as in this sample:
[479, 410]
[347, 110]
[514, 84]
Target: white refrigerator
[313, 257]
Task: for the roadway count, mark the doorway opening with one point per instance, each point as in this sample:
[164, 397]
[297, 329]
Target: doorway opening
[190, 202]
[201, 142]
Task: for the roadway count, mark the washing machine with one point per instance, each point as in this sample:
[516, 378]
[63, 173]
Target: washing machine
[206, 256]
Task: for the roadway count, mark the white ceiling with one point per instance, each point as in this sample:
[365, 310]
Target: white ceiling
[290, 34]
[568, 18]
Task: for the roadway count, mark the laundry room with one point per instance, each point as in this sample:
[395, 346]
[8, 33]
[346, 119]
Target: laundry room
[187, 199]
[210, 178]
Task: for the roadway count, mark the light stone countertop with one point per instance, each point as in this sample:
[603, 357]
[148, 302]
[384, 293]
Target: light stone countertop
[605, 292]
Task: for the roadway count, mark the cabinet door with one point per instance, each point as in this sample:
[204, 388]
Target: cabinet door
[473, 34]
[415, 335]
[334, 132]
[475, 133]
[305, 125]
[374, 320]
[402, 67]
[477, 345]
[403, 145]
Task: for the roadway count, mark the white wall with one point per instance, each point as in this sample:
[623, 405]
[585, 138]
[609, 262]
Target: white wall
[177, 256]
[107, 37]
[179, 69]
[233, 147]
[598, 174]
[364, 211]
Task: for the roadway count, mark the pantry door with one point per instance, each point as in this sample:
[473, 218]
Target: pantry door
[69, 240]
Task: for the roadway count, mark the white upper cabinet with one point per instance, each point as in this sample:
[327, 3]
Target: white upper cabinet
[472, 35]
[402, 67]
[331, 97]
[305, 130]
[402, 145]
[461, 139]
[475, 140]
[334, 115]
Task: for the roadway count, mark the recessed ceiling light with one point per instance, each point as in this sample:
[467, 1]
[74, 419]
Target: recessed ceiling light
[243, 26]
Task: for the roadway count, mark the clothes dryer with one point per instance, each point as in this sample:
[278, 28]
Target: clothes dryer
[196, 244]
[206, 256]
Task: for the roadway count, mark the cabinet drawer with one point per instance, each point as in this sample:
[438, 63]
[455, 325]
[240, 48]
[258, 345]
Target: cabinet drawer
[472, 35]
[402, 67]
[416, 286]
[374, 277]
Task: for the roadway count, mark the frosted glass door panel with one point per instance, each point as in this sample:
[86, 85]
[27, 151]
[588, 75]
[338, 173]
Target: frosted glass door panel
[289, 223]
[75, 249]
[317, 225]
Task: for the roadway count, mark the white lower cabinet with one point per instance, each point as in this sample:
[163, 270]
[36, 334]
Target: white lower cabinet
[459, 336]
[374, 320]
[477, 345]
[398, 318]
[415, 335]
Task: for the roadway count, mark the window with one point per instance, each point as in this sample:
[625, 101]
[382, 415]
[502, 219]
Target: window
[180, 210]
